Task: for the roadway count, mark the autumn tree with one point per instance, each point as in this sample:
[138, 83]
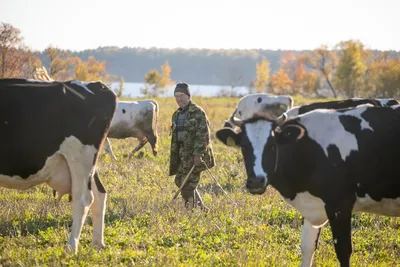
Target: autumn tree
[351, 67]
[383, 78]
[374, 65]
[280, 82]
[61, 63]
[166, 75]
[311, 83]
[152, 81]
[10, 39]
[63, 66]
[16, 60]
[261, 81]
[91, 70]
[81, 71]
[388, 81]
[294, 67]
[155, 83]
[324, 62]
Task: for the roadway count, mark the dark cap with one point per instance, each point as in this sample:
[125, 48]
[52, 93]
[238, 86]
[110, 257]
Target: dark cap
[183, 88]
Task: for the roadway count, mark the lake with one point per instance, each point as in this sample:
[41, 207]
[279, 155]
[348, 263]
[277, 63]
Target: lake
[133, 90]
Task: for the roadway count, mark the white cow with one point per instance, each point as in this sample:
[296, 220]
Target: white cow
[136, 119]
[251, 104]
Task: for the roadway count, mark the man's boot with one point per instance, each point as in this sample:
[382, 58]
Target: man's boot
[188, 203]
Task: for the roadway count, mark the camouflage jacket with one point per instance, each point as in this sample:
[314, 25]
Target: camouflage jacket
[196, 141]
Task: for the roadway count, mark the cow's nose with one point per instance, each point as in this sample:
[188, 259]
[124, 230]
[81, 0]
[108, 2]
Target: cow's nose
[256, 184]
[255, 181]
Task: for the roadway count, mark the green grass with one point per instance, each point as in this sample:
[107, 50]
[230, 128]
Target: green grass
[144, 229]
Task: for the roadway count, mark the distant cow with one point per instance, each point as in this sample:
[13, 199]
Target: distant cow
[135, 119]
[51, 132]
[263, 103]
[327, 164]
[339, 104]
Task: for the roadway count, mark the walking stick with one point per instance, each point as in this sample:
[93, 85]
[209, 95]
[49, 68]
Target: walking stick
[203, 206]
[215, 179]
[183, 183]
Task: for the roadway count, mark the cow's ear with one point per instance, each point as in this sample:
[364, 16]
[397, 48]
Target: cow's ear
[289, 133]
[228, 136]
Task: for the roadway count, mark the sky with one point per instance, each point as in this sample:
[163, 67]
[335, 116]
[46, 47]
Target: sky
[214, 24]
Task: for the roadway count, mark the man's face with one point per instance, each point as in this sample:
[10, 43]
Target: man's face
[182, 99]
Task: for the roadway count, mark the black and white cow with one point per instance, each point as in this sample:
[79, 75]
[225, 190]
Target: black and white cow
[136, 119]
[385, 102]
[339, 104]
[260, 103]
[327, 164]
[51, 132]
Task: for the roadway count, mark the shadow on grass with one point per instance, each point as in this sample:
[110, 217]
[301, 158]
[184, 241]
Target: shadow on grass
[32, 224]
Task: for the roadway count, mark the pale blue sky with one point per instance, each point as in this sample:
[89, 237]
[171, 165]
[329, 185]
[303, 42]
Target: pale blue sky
[280, 24]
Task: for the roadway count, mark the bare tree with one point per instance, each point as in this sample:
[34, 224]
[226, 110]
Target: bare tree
[233, 77]
[10, 42]
[324, 61]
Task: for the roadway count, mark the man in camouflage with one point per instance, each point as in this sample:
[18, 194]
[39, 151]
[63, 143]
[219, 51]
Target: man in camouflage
[190, 144]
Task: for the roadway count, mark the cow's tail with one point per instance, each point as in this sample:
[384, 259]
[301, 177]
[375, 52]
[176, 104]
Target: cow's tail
[155, 120]
[155, 123]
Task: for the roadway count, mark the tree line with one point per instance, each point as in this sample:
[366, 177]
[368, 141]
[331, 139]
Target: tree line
[348, 69]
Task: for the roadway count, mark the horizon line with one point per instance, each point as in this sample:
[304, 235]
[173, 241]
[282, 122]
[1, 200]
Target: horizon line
[205, 48]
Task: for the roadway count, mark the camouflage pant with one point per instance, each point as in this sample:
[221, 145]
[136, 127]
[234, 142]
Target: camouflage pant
[191, 183]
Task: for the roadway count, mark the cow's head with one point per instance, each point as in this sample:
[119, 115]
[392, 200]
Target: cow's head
[259, 140]
[269, 104]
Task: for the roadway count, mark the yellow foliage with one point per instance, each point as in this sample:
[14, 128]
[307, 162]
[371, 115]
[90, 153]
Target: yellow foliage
[166, 75]
[281, 82]
[156, 83]
[351, 68]
[262, 77]
[383, 79]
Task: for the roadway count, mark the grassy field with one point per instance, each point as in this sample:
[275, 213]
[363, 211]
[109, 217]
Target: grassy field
[143, 228]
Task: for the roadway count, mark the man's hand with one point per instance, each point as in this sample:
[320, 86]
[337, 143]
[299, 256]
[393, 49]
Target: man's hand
[197, 160]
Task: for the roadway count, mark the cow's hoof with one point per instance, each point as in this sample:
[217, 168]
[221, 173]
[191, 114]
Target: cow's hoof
[68, 249]
[98, 245]
[126, 155]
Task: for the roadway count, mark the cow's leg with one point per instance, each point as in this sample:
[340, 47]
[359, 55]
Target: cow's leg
[98, 210]
[340, 221]
[81, 160]
[82, 198]
[108, 149]
[152, 138]
[309, 242]
[142, 141]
